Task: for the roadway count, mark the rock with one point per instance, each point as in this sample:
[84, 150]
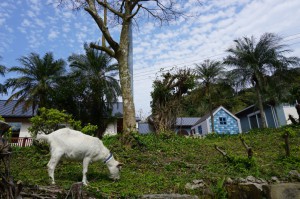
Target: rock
[282, 190]
[294, 174]
[169, 196]
[251, 179]
[243, 191]
[198, 181]
[196, 184]
[229, 180]
[261, 181]
[275, 179]
[241, 180]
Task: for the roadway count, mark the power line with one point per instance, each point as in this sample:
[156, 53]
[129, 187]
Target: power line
[185, 64]
[147, 72]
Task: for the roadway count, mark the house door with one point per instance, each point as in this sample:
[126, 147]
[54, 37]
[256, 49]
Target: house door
[255, 121]
[120, 125]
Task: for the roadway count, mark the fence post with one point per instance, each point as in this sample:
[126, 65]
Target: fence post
[24, 142]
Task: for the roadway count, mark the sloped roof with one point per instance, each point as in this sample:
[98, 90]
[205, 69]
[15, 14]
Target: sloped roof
[6, 110]
[186, 121]
[117, 110]
[145, 128]
[246, 109]
[207, 115]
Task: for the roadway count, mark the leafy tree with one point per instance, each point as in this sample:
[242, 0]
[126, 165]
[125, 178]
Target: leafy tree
[94, 71]
[37, 78]
[209, 73]
[166, 97]
[2, 72]
[125, 12]
[253, 61]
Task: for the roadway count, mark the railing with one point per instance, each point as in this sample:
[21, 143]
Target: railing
[21, 142]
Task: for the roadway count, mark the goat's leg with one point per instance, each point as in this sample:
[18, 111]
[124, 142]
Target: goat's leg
[51, 166]
[85, 165]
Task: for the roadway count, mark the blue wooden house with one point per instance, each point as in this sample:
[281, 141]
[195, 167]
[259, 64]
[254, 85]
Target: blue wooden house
[276, 116]
[224, 123]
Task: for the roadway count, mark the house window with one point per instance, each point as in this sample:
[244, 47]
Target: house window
[222, 120]
[200, 130]
[255, 121]
[16, 128]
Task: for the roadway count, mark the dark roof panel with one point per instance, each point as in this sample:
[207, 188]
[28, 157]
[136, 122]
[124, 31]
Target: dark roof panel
[145, 128]
[6, 110]
[186, 121]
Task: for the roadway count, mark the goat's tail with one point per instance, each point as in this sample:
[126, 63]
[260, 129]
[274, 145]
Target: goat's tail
[42, 136]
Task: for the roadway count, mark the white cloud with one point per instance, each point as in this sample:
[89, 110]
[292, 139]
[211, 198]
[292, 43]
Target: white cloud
[209, 29]
[53, 34]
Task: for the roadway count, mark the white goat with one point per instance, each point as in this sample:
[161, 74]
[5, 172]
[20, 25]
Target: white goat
[75, 145]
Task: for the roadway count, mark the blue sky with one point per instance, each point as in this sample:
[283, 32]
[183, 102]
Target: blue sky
[40, 26]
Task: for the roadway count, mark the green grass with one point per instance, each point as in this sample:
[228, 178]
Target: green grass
[166, 164]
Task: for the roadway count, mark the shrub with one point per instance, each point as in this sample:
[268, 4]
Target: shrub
[49, 120]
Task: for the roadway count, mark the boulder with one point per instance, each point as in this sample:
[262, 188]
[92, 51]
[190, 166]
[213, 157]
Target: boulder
[282, 190]
[294, 174]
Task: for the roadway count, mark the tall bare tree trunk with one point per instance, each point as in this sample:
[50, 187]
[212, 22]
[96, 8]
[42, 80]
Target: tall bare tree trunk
[260, 106]
[210, 109]
[129, 122]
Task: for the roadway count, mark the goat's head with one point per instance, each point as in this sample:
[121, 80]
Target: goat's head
[114, 167]
[115, 170]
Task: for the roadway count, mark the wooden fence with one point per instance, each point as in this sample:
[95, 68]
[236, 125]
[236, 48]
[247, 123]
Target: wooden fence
[21, 142]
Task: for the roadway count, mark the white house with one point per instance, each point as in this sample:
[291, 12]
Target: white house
[19, 119]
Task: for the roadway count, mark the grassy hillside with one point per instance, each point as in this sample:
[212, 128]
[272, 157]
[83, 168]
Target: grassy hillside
[164, 164]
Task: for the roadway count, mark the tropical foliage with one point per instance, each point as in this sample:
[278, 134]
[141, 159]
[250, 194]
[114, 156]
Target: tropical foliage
[254, 61]
[38, 76]
[95, 75]
[209, 73]
[2, 72]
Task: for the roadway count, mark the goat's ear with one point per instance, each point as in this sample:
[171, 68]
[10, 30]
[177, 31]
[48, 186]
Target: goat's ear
[120, 165]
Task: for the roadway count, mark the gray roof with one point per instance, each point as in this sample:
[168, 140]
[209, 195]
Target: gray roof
[245, 109]
[118, 110]
[6, 110]
[145, 128]
[186, 121]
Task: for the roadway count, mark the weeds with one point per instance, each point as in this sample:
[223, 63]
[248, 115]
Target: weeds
[166, 163]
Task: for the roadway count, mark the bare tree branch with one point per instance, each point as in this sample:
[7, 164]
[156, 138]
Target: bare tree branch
[135, 13]
[105, 49]
[91, 9]
[106, 5]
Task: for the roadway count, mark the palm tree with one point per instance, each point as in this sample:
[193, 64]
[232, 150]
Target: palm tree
[37, 78]
[254, 61]
[209, 73]
[102, 89]
[2, 72]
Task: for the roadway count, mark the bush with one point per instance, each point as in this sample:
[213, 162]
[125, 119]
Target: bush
[49, 120]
